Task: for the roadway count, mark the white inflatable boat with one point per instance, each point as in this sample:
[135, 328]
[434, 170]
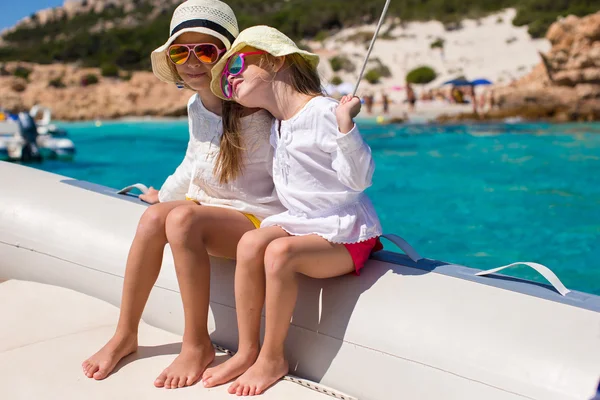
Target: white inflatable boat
[404, 329]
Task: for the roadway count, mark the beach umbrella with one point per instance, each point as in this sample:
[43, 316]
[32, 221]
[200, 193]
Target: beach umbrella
[458, 82]
[477, 82]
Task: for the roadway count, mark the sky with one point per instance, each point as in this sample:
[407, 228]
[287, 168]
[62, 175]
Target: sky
[12, 11]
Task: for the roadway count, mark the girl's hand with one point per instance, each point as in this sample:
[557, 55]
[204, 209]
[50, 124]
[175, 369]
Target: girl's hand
[348, 108]
[151, 197]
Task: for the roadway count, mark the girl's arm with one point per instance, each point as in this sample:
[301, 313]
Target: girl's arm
[177, 185]
[351, 156]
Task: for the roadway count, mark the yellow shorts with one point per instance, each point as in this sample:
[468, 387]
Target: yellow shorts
[255, 221]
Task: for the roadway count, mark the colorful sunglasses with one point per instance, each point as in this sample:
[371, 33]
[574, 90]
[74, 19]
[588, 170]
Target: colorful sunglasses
[235, 65]
[207, 53]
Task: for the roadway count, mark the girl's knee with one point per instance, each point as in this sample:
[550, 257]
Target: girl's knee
[278, 257]
[181, 225]
[152, 221]
[251, 246]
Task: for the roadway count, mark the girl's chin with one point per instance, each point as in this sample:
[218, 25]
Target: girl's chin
[241, 99]
[244, 97]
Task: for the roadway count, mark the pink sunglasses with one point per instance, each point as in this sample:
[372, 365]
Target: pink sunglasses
[207, 53]
[235, 66]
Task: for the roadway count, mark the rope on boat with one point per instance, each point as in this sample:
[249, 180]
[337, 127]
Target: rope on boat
[362, 71]
[300, 381]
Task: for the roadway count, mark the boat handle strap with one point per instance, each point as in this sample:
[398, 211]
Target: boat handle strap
[541, 269]
[140, 186]
[403, 245]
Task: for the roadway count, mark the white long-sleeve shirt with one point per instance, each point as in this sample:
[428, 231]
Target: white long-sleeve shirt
[252, 192]
[320, 175]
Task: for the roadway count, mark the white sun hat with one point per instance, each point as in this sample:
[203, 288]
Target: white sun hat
[261, 37]
[211, 17]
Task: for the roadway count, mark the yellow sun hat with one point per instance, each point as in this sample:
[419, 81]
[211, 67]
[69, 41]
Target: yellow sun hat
[264, 38]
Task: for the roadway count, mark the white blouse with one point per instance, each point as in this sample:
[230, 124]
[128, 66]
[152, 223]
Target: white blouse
[320, 175]
[252, 192]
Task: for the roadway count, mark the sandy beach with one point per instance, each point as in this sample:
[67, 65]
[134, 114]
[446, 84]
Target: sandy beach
[490, 48]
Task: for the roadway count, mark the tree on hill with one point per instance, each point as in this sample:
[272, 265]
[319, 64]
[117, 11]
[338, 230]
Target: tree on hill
[421, 75]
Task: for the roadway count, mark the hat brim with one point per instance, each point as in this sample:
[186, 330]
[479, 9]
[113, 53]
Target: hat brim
[217, 70]
[160, 62]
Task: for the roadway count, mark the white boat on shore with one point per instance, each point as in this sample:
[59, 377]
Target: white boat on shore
[405, 329]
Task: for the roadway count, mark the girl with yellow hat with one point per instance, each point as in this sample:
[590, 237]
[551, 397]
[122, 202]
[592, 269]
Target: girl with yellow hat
[226, 172]
[321, 168]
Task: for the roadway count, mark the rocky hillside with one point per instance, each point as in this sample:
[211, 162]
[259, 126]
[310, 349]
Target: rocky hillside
[74, 94]
[123, 32]
[566, 86]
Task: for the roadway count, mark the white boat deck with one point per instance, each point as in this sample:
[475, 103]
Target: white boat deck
[47, 331]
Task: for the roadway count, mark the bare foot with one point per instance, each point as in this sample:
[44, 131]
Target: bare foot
[101, 364]
[187, 368]
[260, 376]
[230, 369]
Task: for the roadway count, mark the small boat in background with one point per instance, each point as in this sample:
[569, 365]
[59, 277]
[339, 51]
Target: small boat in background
[24, 139]
[52, 140]
[8, 128]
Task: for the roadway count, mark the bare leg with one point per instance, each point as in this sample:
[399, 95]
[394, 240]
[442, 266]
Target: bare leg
[141, 272]
[249, 300]
[193, 234]
[284, 259]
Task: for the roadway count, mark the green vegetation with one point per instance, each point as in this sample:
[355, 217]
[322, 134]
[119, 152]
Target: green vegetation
[321, 36]
[339, 63]
[109, 70]
[381, 69]
[336, 80]
[437, 44]
[89, 79]
[421, 75]
[85, 39]
[372, 76]
[22, 72]
[361, 37]
[57, 83]
[540, 14]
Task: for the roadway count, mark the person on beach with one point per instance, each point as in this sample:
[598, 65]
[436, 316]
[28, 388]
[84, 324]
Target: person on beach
[222, 189]
[369, 103]
[411, 97]
[385, 102]
[321, 168]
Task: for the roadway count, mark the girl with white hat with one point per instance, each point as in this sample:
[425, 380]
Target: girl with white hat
[321, 168]
[226, 173]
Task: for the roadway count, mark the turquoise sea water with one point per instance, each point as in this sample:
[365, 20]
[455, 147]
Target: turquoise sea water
[477, 195]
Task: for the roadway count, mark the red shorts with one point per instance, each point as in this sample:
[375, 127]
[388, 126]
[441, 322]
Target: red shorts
[361, 251]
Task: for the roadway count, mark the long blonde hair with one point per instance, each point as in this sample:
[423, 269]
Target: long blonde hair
[230, 161]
